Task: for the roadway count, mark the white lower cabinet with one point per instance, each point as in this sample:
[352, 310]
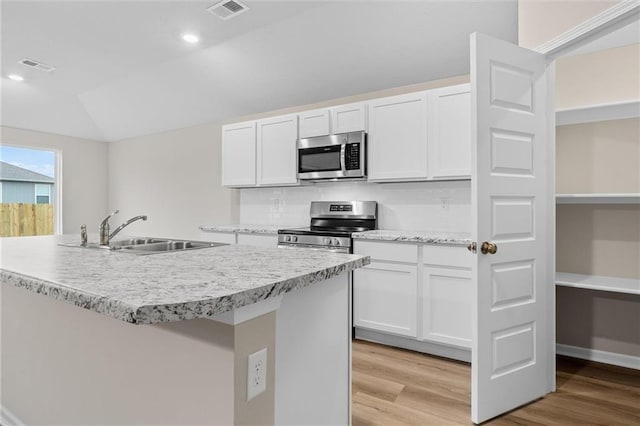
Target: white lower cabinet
[419, 295]
[384, 297]
[446, 306]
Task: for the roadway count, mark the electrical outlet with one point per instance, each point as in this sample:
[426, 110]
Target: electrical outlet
[257, 374]
[444, 203]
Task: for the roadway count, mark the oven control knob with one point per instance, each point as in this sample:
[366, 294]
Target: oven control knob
[327, 241]
[336, 242]
[287, 238]
[294, 238]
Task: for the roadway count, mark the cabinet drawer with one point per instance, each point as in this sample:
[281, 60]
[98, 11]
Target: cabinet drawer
[393, 252]
[219, 237]
[259, 240]
[439, 255]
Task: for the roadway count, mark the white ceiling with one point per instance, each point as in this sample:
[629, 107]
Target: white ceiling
[123, 71]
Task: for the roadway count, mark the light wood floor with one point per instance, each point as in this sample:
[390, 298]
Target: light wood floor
[399, 387]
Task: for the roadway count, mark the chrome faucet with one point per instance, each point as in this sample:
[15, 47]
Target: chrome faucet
[105, 237]
[121, 227]
[104, 229]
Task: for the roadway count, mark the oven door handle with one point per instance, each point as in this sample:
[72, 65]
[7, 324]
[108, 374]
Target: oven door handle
[343, 160]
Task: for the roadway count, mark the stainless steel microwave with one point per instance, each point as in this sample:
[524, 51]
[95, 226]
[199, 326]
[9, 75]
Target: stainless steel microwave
[333, 157]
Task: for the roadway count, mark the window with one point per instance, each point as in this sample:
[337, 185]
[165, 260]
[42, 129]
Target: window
[29, 191]
[43, 194]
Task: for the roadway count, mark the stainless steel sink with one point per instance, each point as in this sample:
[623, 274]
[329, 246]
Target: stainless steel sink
[143, 246]
[163, 246]
[114, 245]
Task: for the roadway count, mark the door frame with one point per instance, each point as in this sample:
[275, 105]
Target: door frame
[605, 22]
[602, 24]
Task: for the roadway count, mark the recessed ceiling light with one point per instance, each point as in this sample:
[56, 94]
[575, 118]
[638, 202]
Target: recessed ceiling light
[190, 38]
[16, 77]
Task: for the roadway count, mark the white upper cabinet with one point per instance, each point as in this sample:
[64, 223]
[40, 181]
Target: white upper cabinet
[314, 123]
[450, 132]
[277, 156]
[397, 145]
[349, 118]
[239, 154]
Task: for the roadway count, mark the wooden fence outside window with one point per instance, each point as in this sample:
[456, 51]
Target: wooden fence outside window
[20, 220]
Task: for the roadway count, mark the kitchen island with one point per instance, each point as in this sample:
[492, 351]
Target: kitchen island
[93, 336]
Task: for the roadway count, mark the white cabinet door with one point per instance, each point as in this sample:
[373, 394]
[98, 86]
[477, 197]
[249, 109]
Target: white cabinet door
[446, 306]
[385, 298]
[397, 145]
[277, 157]
[259, 240]
[239, 154]
[450, 132]
[314, 123]
[349, 118]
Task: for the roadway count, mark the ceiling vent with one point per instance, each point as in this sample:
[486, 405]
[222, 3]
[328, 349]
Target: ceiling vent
[227, 9]
[37, 65]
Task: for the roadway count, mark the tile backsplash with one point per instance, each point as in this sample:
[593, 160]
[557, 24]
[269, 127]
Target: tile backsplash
[441, 206]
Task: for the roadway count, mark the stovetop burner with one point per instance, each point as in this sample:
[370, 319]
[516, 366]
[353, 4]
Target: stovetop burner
[332, 223]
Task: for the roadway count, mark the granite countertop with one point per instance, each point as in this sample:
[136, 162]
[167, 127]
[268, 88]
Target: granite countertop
[427, 237]
[163, 287]
[246, 229]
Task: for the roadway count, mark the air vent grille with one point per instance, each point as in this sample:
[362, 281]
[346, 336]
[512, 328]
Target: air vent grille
[227, 9]
[36, 64]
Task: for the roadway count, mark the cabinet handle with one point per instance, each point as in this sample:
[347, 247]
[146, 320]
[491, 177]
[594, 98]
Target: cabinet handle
[473, 247]
[488, 248]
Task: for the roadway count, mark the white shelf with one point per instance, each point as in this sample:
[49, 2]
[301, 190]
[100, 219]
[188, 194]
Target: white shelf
[596, 282]
[624, 198]
[594, 113]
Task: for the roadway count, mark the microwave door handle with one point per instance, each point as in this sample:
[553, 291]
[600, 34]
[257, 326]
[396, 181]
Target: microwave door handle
[343, 162]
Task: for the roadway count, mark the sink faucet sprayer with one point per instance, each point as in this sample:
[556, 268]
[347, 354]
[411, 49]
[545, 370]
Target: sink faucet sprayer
[105, 237]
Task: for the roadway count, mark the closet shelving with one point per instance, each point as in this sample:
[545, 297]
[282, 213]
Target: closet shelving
[610, 198]
[596, 282]
[590, 114]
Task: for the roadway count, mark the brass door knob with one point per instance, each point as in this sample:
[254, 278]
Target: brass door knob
[472, 247]
[490, 248]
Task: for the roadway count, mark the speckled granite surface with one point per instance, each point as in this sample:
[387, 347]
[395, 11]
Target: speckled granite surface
[246, 229]
[167, 286]
[427, 237]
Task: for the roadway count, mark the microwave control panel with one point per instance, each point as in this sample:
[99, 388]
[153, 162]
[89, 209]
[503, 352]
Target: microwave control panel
[353, 156]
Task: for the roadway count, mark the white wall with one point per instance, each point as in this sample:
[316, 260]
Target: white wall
[84, 174]
[174, 178]
[541, 20]
[405, 206]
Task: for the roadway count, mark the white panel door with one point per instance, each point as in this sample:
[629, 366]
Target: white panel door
[385, 298]
[277, 161]
[239, 154]
[314, 123]
[450, 132]
[349, 118]
[397, 145]
[446, 306]
[512, 204]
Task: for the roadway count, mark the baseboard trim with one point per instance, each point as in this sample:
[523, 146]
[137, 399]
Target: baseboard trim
[596, 355]
[7, 418]
[460, 354]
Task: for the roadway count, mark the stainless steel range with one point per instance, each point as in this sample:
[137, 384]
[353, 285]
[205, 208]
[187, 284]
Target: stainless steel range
[332, 223]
